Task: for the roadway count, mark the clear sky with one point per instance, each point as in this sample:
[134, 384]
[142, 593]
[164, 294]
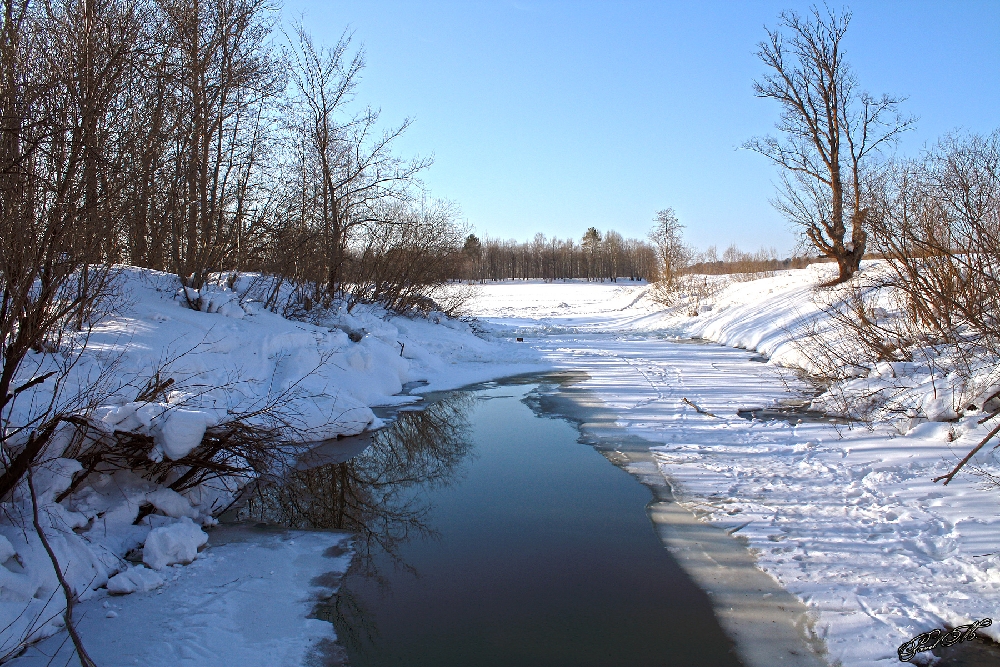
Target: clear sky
[551, 117]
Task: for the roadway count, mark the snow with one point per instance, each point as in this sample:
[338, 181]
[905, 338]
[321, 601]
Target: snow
[171, 503]
[134, 579]
[182, 431]
[247, 601]
[6, 549]
[324, 383]
[846, 518]
[174, 543]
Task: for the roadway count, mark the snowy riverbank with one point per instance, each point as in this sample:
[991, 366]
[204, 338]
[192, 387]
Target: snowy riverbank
[845, 518]
[310, 381]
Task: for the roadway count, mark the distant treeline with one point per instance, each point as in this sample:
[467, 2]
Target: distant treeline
[597, 257]
[752, 264]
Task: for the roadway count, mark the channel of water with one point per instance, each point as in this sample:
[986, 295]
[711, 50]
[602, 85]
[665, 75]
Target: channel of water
[488, 533]
[492, 531]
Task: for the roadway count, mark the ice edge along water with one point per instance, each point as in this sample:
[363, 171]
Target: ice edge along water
[767, 624]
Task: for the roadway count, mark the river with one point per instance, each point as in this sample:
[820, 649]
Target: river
[492, 530]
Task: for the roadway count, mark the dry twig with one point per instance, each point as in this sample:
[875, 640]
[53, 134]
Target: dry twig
[85, 659]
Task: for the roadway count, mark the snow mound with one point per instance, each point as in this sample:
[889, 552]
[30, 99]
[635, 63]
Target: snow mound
[171, 503]
[6, 549]
[134, 579]
[175, 543]
[181, 432]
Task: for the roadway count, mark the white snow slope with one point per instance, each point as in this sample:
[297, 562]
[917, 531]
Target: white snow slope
[845, 518]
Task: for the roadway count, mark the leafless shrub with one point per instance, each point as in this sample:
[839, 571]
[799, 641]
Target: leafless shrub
[930, 306]
[745, 266]
[839, 350]
[748, 265]
[148, 132]
[939, 225]
[406, 257]
[688, 292]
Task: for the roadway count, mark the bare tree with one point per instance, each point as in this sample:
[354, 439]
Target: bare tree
[673, 254]
[346, 169]
[52, 270]
[222, 79]
[831, 131]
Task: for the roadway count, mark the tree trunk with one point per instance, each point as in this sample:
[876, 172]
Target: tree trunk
[850, 255]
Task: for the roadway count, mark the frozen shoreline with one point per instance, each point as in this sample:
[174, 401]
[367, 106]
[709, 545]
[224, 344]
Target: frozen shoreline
[845, 519]
[767, 624]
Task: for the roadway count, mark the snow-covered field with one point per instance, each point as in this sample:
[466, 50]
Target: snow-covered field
[845, 518]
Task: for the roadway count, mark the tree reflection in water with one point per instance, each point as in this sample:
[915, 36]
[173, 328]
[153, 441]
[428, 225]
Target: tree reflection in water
[375, 495]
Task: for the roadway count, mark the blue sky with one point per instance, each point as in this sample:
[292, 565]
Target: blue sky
[556, 116]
